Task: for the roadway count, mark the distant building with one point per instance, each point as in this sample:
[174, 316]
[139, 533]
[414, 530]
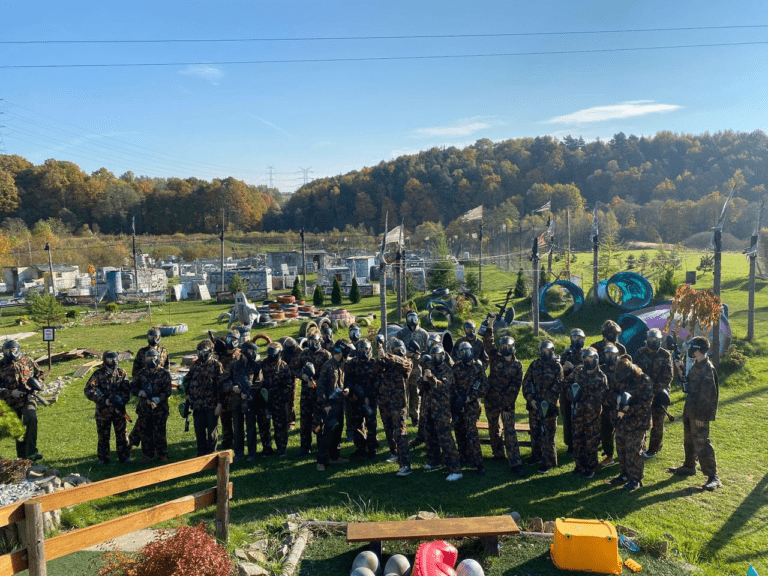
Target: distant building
[319, 258]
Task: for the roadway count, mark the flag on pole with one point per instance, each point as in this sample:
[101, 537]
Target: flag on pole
[545, 208]
[594, 224]
[474, 214]
[393, 236]
[548, 234]
[721, 221]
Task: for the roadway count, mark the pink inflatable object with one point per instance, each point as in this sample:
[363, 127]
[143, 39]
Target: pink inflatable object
[435, 559]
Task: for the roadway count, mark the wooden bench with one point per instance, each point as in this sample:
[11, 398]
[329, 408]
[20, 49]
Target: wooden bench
[489, 528]
[519, 427]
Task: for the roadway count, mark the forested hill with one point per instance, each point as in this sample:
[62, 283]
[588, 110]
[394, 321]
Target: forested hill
[439, 185]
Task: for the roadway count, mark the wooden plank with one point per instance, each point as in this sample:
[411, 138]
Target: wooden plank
[13, 563]
[120, 484]
[85, 368]
[11, 514]
[77, 540]
[222, 502]
[35, 538]
[438, 529]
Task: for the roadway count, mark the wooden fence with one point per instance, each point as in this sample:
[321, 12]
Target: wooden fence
[30, 512]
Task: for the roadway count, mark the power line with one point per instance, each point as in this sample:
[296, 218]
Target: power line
[389, 37]
[386, 58]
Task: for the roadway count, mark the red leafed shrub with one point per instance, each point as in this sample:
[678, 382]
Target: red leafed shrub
[190, 551]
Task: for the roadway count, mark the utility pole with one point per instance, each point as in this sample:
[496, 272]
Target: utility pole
[135, 259]
[480, 263]
[568, 252]
[595, 248]
[306, 172]
[270, 168]
[50, 269]
[535, 290]
[718, 241]
[303, 262]
[752, 255]
[221, 237]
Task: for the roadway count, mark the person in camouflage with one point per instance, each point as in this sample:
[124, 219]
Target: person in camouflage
[569, 360]
[291, 353]
[327, 338]
[227, 354]
[329, 408]
[201, 386]
[361, 378]
[470, 335]
[317, 356]
[414, 333]
[109, 388]
[471, 385]
[15, 372]
[700, 409]
[631, 416]
[656, 362]
[541, 389]
[153, 343]
[607, 433]
[611, 332]
[586, 392]
[437, 387]
[152, 384]
[504, 383]
[394, 369]
[278, 380]
[235, 388]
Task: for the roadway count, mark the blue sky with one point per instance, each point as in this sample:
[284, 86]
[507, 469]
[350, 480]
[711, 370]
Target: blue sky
[200, 115]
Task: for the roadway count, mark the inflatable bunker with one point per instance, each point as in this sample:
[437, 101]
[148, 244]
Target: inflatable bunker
[575, 291]
[635, 292]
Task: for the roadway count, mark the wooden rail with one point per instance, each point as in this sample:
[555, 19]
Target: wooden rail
[39, 550]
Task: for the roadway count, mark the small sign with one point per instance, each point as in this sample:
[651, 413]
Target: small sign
[49, 334]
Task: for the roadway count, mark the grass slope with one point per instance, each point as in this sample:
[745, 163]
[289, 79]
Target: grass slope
[722, 532]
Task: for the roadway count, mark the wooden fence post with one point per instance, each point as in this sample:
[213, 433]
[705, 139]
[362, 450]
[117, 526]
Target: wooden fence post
[222, 497]
[33, 512]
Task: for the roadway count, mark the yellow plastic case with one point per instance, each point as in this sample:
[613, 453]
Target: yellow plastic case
[586, 545]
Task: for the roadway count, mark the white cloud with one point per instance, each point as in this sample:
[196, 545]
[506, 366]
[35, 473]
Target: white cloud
[613, 112]
[272, 125]
[205, 72]
[455, 131]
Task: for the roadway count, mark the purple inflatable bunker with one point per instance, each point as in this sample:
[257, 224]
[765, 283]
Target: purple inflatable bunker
[635, 326]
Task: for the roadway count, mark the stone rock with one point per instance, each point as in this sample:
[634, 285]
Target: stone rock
[515, 517]
[67, 486]
[262, 545]
[256, 556]
[626, 531]
[241, 555]
[284, 551]
[549, 527]
[259, 534]
[536, 525]
[422, 515]
[290, 526]
[248, 569]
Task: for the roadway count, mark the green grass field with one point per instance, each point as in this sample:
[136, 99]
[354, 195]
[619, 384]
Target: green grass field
[722, 532]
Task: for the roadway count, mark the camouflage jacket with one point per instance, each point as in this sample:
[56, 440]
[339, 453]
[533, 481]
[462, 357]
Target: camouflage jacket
[239, 373]
[439, 389]
[393, 376]
[703, 391]
[276, 377]
[317, 359]
[362, 374]
[477, 348]
[657, 365]
[331, 377]
[201, 384]
[14, 375]
[505, 378]
[138, 360]
[591, 391]
[543, 381]
[420, 336]
[156, 383]
[574, 357]
[471, 382]
[638, 414]
[103, 385]
[600, 347]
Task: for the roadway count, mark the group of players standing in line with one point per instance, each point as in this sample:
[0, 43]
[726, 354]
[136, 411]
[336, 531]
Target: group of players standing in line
[601, 392]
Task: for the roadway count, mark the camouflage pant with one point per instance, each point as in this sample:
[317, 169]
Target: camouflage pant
[697, 445]
[386, 423]
[27, 446]
[104, 430]
[152, 430]
[493, 414]
[360, 423]
[467, 438]
[629, 446]
[244, 426]
[306, 408]
[439, 438]
[565, 411]
[227, 430]
[396, 421]
[414, 401]
[134, 438]
[657, 430]
[510, 439]
[543, 432]
[291, 405]
[586, 439]
[279, 422]
[329, 441]
[606, 432]
[206, 431]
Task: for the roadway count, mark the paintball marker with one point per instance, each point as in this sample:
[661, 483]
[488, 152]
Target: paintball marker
[219, 346]
[361, 396]
[671, 344]
[32, 387]
[308, 370]
[184, 413]
[458, 403]
[662, 400]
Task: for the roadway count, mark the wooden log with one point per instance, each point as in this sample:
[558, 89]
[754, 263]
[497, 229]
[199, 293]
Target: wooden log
[289, 567]
[33, 512]
[222, 497]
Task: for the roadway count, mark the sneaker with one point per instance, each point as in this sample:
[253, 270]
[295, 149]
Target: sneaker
[632, 485]
[619, 480]
[590, 474]
[321, 467]
[359, 453]
[544, 469]
[480, 470]
[164, 458]
[404, 471]
[455, 476]
[432, 467]
[683, 471]
[647, 454]
[35, 457]
[267, 452]
[392, 458]
[577, 472]
[519, 470]
[338, 460]
[533, 460]
[607, 461]
[145, 459]
[713, 483]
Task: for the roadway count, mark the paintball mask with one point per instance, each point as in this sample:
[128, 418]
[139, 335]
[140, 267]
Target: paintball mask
[611, 354]
[153, 337]
[397, 348]
[313, 343]
[577, 338]
[412, 320]
[465, 353]
[653, 340]
[110, 359]
[507, 346]
[590, 358]
[250, 350]
[152, 359]
[470, 330]
[547, 350]
[354, 333]
[364, 349]
[11, 350]
[611, 331]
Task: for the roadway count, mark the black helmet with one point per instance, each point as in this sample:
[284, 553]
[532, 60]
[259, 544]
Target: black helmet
[470, 329]
[327, 332]
[653, 339]
[465, 353]
[250, 350]
[153, 336]
[152, 358]
[232, 339]
[397, 347]
[274, 351]
[547, 350]
[364, 349]
[700, 343]
[433, 340]
[438, 354]
[290, 346]
[611, 354]
[611, 331]
[577, 338]
[591, 359]
[313, 342]
[507, 346]
[412, 319]
[11, 350]
[354, 333]
[110, 359]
